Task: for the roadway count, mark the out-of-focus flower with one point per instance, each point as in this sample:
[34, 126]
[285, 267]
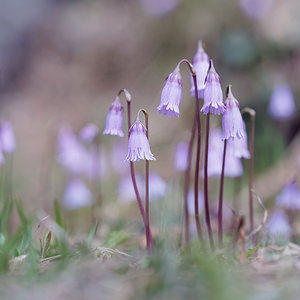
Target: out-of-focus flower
[233, 164]
[181, 156]
[201, 65]
[71, 153]
[213, 96]
[232, 122]
[240, 146]
[158, 7]
[278, 224]
[282, 105]
[88, 132]
[138, 144]
[191, 201]
[289, 197]
[95, 166]
[157, 188]
[255, 9]
[226, 212]
[76, 195]
[118, 163]
[171, 95]
[114, 119]
[7, 137]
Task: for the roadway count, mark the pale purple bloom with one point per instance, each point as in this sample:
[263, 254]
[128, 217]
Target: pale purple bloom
[7, 137]
[240, 146]
[95, 166]
[77, 195]
[191, 201]
[157, 188]
[256, 8]
[233, 164]
[71, 153]
[282, 105]
[278, 224]
[289, 197]
[89, 132]
[226, 212]
[181, 156]
[118, 163]
[126, 193]
[201, 65]
[138, 144]
[213, 95]
[114, 119]
[171, 95]
[232, 122]
[158, 7]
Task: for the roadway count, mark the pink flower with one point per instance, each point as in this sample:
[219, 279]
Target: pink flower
[88, 132]
[213, 96]
[201, 65]
[240, 146]
[278, 224]
[233, 164]
[138, 144]
[282, 105]
[71, 153]
[232, 122]
[171, 95]
[77, 195]
[114, 119]
[7, 137]
[289, 197]
[181, 156]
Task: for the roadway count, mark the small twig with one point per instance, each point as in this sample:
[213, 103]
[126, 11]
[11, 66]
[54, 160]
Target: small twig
[262, 224]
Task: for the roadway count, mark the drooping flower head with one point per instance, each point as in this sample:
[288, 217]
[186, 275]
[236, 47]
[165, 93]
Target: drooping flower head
[138, 144]
[88, 132]
[232, 122]
[181, 156]
[171, 95]
[289, 198]
[213, 96]
[278, 224]
[240, 146]
[201, 65]
[282, 105]
[114, 119]
[7, 137]
[77, 195]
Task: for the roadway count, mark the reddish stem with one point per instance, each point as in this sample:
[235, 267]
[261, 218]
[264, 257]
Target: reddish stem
[220, 209]
[206, 204]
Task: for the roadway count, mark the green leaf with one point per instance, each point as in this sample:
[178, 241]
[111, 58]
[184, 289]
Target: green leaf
[92, 234]
[252, 250]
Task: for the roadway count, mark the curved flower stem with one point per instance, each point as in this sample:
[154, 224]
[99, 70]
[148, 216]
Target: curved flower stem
[220, 209]
[148, 231]
[252, 114]
[132, 172]
[206, 204]
[187, 183]
[197, 166]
